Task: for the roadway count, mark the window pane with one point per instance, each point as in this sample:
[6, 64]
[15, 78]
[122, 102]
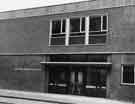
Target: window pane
[95, 23]
[104, 22]
[58, 35]
[97, 77]
[77, 34]
[56, 26]
[83, 24]
[57, 79]
[59, 58]
[97, 39]
[97, 33]
[58, 41]
[128, 74]
[97, 58]
[78, 58]
[76, 40]
[75, 25]
[64, 25]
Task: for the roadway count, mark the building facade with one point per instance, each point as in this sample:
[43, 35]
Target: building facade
[85, 48]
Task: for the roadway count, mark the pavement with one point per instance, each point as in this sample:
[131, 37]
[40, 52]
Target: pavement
[21, 97]
[4, 100]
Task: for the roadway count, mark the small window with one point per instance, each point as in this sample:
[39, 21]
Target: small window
[58, 32]
[128, 74]
[77, 31]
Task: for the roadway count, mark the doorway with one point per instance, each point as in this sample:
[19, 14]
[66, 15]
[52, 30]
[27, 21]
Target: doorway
[77, 81]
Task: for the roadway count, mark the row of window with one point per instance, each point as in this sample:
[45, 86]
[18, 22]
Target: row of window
[128, 74]
[79, 30]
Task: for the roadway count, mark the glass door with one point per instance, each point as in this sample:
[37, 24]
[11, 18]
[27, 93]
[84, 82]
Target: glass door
[76, 82]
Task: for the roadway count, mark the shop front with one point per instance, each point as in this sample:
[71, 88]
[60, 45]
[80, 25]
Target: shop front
[77, 76]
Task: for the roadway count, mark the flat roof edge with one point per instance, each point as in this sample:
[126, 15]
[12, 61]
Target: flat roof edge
[66, 8]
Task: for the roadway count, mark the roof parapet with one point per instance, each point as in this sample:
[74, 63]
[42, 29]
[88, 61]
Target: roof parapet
[65, 8]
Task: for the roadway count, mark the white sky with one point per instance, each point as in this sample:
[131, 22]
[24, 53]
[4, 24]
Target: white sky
[6, 5]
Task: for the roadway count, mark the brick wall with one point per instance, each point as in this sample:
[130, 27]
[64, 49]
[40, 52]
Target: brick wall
[21, 73]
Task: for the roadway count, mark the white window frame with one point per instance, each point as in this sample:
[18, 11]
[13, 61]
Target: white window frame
[122, 75]
[61, 20]
[80, 24]
[102, 30]
[67, 31]
[50, 32]
[86, 30]
[106, 23]
[101, 16]
[80, 17]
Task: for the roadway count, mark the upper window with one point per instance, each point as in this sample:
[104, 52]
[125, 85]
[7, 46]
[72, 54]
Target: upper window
[77, 24]
[58, 26]
[97, 29]
[128, 74]
[77, 31]
[58, 32]
[97, 23]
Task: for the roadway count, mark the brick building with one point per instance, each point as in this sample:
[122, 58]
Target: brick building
[84, 48]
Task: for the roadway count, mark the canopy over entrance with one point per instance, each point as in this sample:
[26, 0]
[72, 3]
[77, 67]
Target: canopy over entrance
[79, 63]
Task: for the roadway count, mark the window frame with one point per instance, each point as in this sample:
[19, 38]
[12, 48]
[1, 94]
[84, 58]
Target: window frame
[85, 31]
[61, 26]
[101, 24]
[61, 32]
[80, 28]
[100, 31]
[80, 17]
[122, 68]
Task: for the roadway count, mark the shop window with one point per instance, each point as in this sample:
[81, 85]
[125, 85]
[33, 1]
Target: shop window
[77, 31]
[97, 77]
[57, 79]
[58, 28]
[128, 74]
[97, 29]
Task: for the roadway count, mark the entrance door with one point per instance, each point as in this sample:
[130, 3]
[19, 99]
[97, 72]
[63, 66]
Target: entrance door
[77, 82]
